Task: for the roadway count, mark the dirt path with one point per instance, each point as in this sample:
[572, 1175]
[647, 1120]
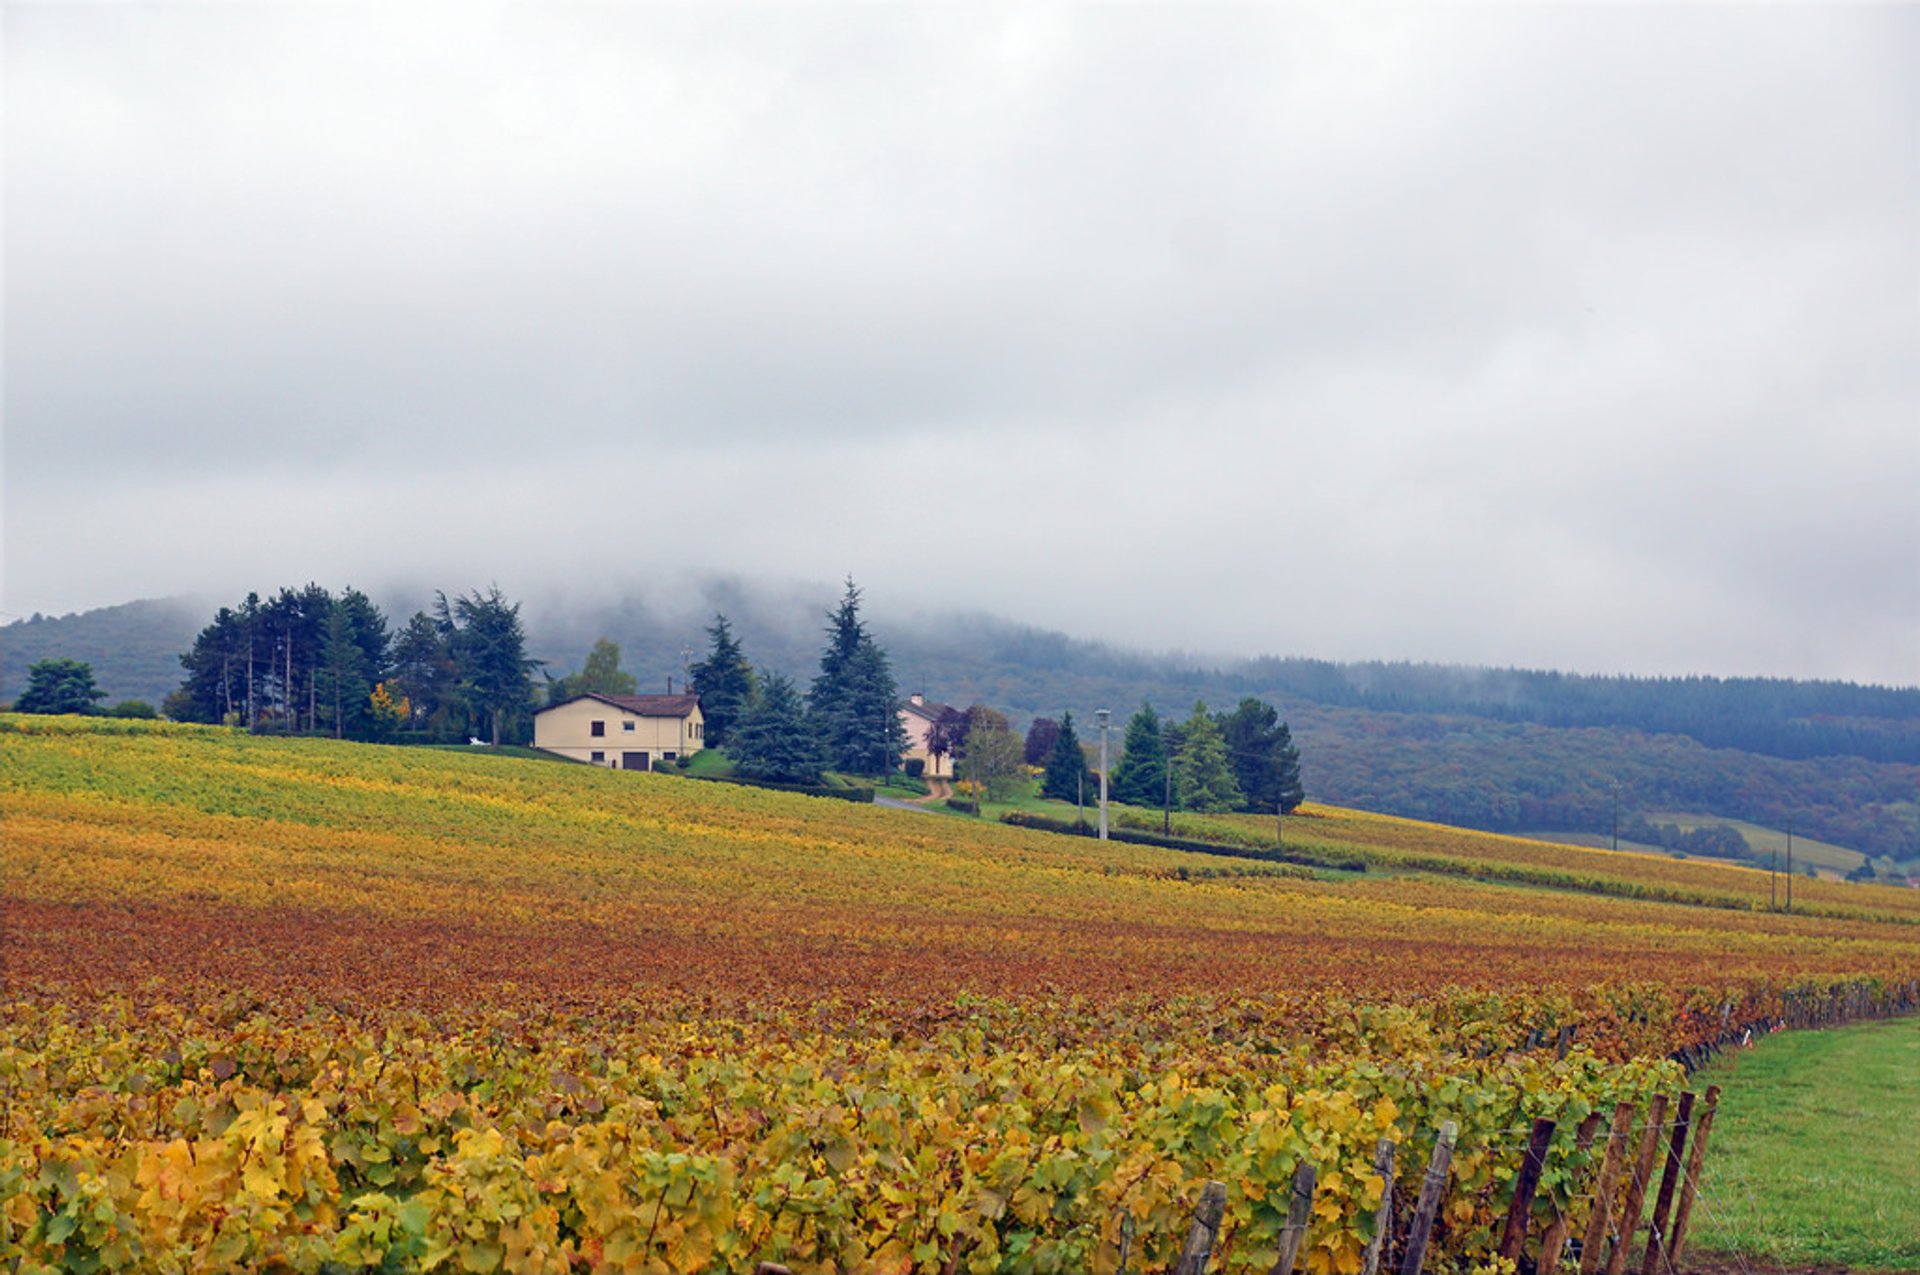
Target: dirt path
[938, 790]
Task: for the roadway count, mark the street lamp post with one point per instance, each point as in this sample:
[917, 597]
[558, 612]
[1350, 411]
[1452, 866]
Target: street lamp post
[1102, 714]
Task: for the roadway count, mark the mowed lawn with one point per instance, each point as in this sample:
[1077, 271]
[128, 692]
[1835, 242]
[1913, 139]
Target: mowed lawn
[1815, 1154]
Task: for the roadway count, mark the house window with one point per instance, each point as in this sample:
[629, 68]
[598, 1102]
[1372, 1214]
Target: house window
[597, 754]
[699, 730]
[668, 756]
[627, 727]
[598, 729]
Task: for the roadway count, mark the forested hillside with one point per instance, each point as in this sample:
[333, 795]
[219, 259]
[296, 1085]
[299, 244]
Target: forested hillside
[1501, 749]
[134, 648]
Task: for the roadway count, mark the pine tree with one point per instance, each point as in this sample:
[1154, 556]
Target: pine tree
[354, 657]
[490, 651]
[1202, 778]
[1265, 763]
[1140, 778]
[774, 741]
[423, 673]
[854, 701]
[725, 683]
[59, 686]
[1290, 792]
[214, 688]
[1066, 771]
[344, 684]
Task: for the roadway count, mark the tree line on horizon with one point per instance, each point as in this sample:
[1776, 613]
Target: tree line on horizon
[1506, 776]
[307, 662]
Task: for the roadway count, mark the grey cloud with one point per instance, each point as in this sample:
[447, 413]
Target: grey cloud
[1532, 335]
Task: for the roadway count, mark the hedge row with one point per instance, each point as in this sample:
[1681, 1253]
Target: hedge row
[852, 793]
[1133, 837]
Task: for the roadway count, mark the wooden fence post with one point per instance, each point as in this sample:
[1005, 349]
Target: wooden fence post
[1431, 1190]
[1520, 1211]
[1606, 1189]
[1383, 1216]
[1695, 1160]
[1670, 1178]
[1629, 1220]
[1299, 1212]
[1206, 1228]
[1555, 1239]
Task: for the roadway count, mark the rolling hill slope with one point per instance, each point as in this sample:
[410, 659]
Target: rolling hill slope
[1503, 750]
[293, 1003]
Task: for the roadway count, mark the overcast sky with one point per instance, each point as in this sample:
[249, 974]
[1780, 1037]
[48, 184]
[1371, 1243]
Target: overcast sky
[1577, 337]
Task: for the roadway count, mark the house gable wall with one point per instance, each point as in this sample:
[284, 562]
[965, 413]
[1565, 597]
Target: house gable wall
[918, 728]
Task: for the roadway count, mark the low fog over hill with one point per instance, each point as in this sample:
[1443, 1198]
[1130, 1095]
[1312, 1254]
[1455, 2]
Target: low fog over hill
[1504, 749]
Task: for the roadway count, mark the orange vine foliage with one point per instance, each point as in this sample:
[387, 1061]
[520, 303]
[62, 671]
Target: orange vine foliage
[311, 1006]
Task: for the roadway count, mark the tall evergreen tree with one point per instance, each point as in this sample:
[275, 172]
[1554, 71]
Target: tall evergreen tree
[1140, 778]
[343, 676]
[1201, 775]
[354, 657]
[725, 683]
[423, 673]
[368, 626]
[294, 629]
[1265, 763]
[216, 666]
[774, 741]
[1066, 772]
[854, 701]
[490, 652]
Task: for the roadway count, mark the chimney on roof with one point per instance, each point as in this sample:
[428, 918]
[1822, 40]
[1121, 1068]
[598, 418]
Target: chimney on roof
[918, 697]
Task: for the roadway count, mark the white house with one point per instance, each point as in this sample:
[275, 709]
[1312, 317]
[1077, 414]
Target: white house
[626, 732]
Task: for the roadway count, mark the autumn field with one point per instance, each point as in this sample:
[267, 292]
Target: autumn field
[314, 1006]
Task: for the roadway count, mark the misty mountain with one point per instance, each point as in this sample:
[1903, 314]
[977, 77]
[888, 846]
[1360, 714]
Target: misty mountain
[1503, 749]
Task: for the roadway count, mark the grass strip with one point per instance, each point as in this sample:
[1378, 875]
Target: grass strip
[1815, 1155]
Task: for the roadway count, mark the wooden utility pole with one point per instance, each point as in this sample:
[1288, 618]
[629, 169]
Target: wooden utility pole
[1103, 715]
[1789, 861]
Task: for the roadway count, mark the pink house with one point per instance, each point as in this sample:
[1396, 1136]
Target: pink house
[918, 715]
